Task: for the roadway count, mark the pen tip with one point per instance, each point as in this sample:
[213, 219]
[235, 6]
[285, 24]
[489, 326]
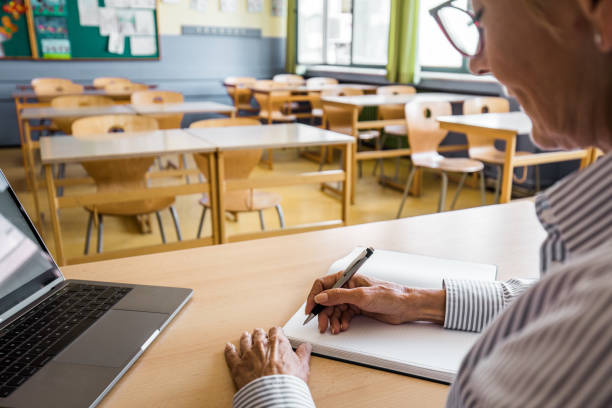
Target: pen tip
[309, 318]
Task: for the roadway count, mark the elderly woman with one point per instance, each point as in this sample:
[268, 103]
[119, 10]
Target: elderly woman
[546, 343]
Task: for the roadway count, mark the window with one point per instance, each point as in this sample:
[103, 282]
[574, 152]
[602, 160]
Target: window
[435, 52]
[343, 32]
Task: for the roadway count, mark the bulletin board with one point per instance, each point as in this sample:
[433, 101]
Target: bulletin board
[14, 35]
[90, 29]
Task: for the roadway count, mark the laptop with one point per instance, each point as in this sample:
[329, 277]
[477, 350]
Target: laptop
[65, 343]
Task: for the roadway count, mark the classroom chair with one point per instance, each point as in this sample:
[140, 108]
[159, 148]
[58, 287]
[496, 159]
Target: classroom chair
[238, 165]
[50, 81]
[341, 120]
[241, 93]
[424, 137]
[127, 88]
[46, 91]
[290, 79]
[120, 175]
[483, 148]
[315, 96]
[101, 83]
[274, 101]
[73, 102]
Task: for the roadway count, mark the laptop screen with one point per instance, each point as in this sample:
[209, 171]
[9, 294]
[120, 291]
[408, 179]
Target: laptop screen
[25, 265]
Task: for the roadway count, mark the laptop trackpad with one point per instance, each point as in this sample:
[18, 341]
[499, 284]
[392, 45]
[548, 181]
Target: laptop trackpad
[114, 339]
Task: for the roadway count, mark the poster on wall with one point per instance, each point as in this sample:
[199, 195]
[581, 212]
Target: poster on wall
[278, 8]
[255, 6]
[55, 48]
[199, 5]
[229, 6]
[49, 7]
[89, 14]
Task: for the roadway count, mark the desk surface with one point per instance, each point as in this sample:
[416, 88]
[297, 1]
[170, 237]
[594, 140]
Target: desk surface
[516, 122]
[101, 92]
[270, 136]
[262, 283]
[183, 107]
[380, 100]
[306, 88]
[67, 149]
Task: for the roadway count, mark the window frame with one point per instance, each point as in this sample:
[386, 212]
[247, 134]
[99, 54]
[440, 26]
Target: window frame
[324, 48]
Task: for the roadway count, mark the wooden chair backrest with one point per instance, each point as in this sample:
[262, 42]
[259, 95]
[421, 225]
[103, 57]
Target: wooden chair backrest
[388, 112]
[166, 121]
[50, 81]
[103, 82]
[125, 87]
[121, 174]
[288, 78]
[317, 82]
[73, 102]
[47, 90]
[337, 117]
[424, 132]
[238, 164]
[243, 93]
[480, 105]
[276, 98]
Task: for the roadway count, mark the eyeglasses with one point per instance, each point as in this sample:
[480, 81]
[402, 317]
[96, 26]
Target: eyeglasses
[461, 28]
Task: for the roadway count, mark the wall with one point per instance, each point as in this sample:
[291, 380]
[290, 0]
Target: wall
[194, 65]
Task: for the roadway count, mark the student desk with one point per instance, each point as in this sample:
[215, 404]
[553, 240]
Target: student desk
[278, 137]
[506, 127]
[262, 283]
[28, 146]
[356, 103]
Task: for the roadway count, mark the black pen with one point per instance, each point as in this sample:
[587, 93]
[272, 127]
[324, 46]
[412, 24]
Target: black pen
[350, 271]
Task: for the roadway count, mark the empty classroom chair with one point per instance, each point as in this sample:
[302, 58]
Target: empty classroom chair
[271, 105]
[483, 148]
[127, 88]
[50, 81]
[238, 165]
[341, 120]
[240, 92]
[120, 175]
[74, 102]
[47, 90]
[101, 83]
[167, 121]
[315, 96]
[424, 137]
[389, 112]
[290, 79]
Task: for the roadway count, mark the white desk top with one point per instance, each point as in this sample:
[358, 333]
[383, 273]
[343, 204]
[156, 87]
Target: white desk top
[270, 136]
[306, 88]
[517, 122]
[379, 100]
[51, 113]
[184, 107]
[100, 92]
[67, 149]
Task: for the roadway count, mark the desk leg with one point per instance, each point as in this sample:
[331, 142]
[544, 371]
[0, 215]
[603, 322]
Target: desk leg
[506, 185]
[213, 193]
[30, 169]
[355, 118]
[589, 158]
[348, 157]
[54, 216]
[221, 198]
[270, 151]
[22, 142]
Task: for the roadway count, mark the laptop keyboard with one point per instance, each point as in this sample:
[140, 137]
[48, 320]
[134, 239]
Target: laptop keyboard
[31, 341]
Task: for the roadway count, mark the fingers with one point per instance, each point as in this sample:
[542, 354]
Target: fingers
[333, 297]
[260, 342]
[346, 318]
[324, 317]
[318, 286]
[246, 343]
[303, 352]
[231, 356]
[275, 336]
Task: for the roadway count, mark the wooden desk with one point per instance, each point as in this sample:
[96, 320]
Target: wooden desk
[184, 107]
[262, 283]
[507, 126]
[67, 149]
[277, 137]
[356, 103]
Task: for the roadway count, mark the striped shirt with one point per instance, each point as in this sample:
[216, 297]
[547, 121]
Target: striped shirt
[550, 347]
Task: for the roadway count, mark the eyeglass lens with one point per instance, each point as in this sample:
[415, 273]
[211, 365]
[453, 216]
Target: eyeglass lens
[461, 29]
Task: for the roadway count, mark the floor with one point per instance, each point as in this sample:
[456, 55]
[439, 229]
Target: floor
[301, 204]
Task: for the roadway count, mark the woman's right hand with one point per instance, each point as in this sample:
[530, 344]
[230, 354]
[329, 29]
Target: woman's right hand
[385, 301]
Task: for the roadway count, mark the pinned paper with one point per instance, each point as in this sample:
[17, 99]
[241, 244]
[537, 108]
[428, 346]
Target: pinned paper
[143, 46]
[199, 5]
[278, 8]
[116, 43]
[144, 4]
[55, 48]
[108, 21]
[145, 22]
[229, 6]
[89, 15]
[255, 6]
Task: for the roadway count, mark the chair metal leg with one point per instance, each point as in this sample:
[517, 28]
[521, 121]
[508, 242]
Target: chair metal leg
[200, 227]
[360, 162]
[380, 143]
[261, 220]
[443, 189]
[160, 165]
[88, 234]
[498, 183]
[61, 173]
[100, 232]
[323, 157]
[176, 223]
[406, 190]
[459, 187]
[184, 160]
[482, 187]
[161, 227]
[281, 217]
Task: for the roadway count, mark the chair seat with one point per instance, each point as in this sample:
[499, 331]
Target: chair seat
[246, 107]
[450, 164]
[133, 207]
[242, 201]
[490, 154]
[363, 134]
[396, 130]
[277, 116]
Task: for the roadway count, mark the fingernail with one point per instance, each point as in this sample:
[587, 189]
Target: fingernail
[321, 298]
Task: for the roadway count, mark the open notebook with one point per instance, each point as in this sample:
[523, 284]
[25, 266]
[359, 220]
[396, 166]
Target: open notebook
[418, 349]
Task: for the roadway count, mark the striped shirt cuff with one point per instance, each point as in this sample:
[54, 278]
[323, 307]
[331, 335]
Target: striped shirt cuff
[471, 304]
[274, 391]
